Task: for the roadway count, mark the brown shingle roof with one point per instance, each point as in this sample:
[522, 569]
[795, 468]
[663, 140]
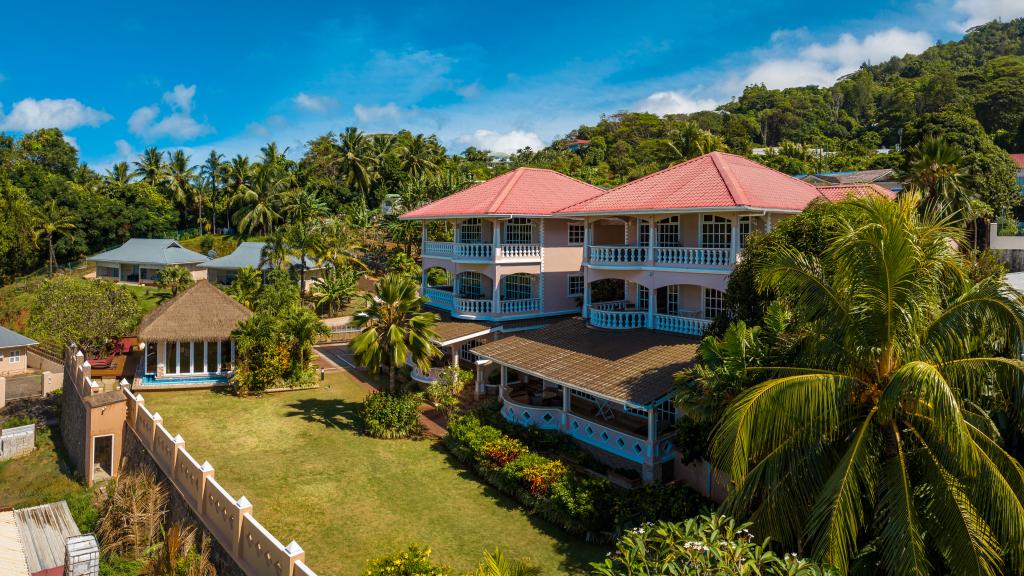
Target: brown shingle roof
[635, 367]
[201, 313]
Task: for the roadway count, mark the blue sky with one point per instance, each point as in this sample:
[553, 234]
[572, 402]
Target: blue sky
[233, 76]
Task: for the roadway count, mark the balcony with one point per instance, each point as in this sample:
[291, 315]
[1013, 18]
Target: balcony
[611, 316]
[443, 297]
[505, 253]
[668, 257]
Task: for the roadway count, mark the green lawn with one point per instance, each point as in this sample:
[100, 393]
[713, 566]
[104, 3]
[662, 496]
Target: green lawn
[347, 498]
[148, 297]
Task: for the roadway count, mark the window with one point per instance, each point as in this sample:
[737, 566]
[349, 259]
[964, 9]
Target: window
[1, 356]
[14, 357]
[200, 360]
[519, 231]
[634, 411]
[666, 411]
[672, 299]
[716, 232]
[576, 285]
[225, 355]
[644, 237]
[643, 297]
[470, 231]
[668, 232]
[745, 226]
[517, 287]
[151, 358]
[171, 357]
[582, 394]
[714, 303]
[185, 352]
[577, 233]
[469, 285]
[211, 356]
[465, 351]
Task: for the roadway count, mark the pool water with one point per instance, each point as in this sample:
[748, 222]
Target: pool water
[209, 380]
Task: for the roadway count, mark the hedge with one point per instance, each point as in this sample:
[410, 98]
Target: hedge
[579, 503]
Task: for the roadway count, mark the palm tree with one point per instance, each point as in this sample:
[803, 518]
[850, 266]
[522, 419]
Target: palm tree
[181, 183]
[934, 169]
[418, 158]
[357, 160]
[53, 220]
[274, 159]
[340, 245]
[174, 279]
[303, 328]
[214, 172]
[336, 288]
[150, 166]
[257, 204]
[246, 286]
[497, 564]
[394, 328]
[304, 207]
[118, 174]
[878, 439]
[684, 143]
[276, 253]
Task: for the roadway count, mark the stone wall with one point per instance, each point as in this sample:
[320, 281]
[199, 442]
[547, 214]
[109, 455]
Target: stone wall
[73, 420]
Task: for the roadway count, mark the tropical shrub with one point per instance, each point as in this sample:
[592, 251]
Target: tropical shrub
[444, 391]
[580, 503]
[174, 279]
[131, 517]
[70, 309]
[706, 545]
[414, 561]
[387, 415]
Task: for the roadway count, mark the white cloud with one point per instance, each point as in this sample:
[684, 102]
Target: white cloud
[124, 149]
[179, 124]
[822, 64]
[180, 98]
[977, 12]
[672, 102]
[389, 111]
[507, 142]
[313, 102]
[31, 114]
[469, 90]
[72, 141]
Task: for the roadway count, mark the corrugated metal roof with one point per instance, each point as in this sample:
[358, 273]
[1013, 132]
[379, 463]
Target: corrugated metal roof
[12, 552]
[11, 339]
[44, 530]
[248, 254]
[158, 251]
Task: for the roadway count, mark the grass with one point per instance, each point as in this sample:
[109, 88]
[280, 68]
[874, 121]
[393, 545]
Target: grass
[223, 245]
[148, 297]
[347, 498]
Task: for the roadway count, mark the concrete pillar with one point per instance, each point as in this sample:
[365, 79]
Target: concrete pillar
[453, 351]
[496, 293]
[651, 236]
[207, 471]
[734, 238]
[496, 234]
[566, 404]
[478, 389]
[242, 508]
[649, 464]
[504, 381]
[652, 306]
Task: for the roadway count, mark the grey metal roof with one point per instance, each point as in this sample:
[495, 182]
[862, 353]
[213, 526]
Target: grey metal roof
[1016, 280]
[11, 339]
[248, 254]
[159, 251]
[44, 530]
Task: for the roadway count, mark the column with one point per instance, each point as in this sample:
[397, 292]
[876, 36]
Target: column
[652, 306]
[566, 404]
[540, 279]
[586, 269]
[734, 238]
[496, 235]
[652, 427]
[651, 235]
[496, 293]
[454, 352]
[479, 384]
[503, 384]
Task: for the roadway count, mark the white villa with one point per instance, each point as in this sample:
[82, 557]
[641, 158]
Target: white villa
[140, 260]
[225, 269]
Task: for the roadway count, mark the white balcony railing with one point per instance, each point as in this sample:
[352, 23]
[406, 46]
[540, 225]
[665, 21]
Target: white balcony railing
[618, 254]
[519, 306]
[439, 297]
[611, 305]
[618, 319]
[683, 256]
[431, 248]
[528, 252]
[681, 324]
[472, 306]
[425, 377]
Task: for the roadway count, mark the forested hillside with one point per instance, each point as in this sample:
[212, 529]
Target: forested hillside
[971, 92]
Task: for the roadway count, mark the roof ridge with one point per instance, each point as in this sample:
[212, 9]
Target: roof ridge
[506, 189]
[739, 195]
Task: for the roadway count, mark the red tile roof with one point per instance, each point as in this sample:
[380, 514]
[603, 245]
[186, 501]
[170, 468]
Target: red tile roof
[523, 191]
[840, 192]
[1019, 159]
[714, 180]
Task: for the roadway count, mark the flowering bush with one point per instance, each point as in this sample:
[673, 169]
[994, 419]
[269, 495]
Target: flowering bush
[387, 415]
[444, 392]
[705, 545]
[503, 450]
[412, 562]
[542, 476]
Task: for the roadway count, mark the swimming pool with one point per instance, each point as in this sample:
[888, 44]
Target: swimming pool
[198, 380]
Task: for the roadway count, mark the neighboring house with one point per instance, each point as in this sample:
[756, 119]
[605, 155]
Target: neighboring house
[189, 336]
[884, 177]
[1018, 159]
[512, 257]
[225, 269]
[140, 260]
[14, 352]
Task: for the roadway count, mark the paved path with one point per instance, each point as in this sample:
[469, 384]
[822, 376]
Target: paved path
[337, 357]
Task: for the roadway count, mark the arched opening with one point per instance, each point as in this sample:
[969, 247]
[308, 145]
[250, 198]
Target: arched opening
[519, 292]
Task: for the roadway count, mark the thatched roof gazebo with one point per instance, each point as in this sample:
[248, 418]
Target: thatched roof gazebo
[202, 313]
